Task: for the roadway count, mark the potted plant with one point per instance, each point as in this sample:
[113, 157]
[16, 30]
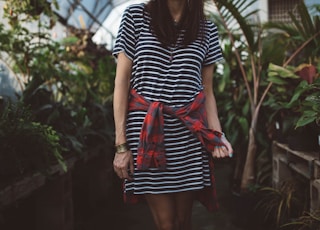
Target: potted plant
[296, 105]
[310, 103]
[307, 127]
[294, 95]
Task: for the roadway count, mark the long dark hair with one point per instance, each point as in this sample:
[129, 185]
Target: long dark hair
[162, 24]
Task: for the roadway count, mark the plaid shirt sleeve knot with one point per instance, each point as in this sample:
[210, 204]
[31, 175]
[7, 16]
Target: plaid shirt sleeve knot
[151, 150]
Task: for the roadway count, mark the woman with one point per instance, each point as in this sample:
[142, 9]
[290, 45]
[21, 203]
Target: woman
[165, 112]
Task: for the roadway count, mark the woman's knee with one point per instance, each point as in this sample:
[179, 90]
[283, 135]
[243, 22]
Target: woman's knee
[167, 225]
[177, 224]
[184, 204]
[163, 210]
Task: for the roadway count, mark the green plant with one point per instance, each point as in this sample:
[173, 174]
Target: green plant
[31, 8]
[83, 130]
[278, 206]
[64, 80]
[307, 221]
[309, 96]
[284, 114]
[291, 97]
[253, 53]
[297, 96]
[25, 145]
[300, 37]
[74, 69]
[245, 49]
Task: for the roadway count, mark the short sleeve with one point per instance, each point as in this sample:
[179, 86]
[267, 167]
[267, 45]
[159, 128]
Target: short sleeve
[125, 40]
[214, 53]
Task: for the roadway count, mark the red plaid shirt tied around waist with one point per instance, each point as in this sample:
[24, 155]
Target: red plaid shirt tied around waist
[151, 149]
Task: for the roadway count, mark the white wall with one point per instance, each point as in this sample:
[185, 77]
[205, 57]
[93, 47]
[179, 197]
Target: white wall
[262, 5]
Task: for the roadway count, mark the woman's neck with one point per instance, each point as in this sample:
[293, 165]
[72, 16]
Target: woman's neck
[176, 9]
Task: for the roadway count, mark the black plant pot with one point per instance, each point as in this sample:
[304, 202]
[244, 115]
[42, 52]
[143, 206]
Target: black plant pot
[305, 138]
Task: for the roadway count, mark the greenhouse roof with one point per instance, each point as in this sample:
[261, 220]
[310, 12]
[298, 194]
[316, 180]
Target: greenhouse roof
[102, 16]
[88, 14]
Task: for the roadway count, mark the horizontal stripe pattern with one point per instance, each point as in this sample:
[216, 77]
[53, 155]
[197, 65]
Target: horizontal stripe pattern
[171, 75]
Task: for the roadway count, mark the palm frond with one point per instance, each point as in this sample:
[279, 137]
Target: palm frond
[305, 26]
[237, 10]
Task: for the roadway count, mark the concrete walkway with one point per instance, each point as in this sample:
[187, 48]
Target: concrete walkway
[138, 217]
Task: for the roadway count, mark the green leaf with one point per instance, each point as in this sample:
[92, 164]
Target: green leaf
[306, 118]
[236, 9]
[276, 79]
[276, 70]
[244, 124]
[246, 108]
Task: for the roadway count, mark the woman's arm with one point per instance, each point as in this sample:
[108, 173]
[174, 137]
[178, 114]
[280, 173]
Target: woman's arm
[122, 161]
[120, 97]
[211, 106]
[212, 112]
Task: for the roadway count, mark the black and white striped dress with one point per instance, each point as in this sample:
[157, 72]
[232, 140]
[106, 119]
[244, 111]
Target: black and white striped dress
[172, 76]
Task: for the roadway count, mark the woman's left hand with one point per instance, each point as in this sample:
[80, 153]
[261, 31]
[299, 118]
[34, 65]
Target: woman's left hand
[223, 151]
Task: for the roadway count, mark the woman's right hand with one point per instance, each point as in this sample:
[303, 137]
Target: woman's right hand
[223, 151]
[123, 164]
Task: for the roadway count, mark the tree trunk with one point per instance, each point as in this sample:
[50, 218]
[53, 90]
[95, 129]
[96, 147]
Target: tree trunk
[248, 175]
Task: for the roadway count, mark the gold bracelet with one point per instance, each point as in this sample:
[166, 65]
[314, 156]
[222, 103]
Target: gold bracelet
[122, 148]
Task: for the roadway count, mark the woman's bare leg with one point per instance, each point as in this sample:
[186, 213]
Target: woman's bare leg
[163, 210]
[183, 206]
[171, 211]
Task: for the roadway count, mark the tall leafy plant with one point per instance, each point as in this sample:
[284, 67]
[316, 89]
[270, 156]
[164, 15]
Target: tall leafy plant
[247, 38]
[67, 82]
[300, 38]
[236, 20]
[74, 69]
